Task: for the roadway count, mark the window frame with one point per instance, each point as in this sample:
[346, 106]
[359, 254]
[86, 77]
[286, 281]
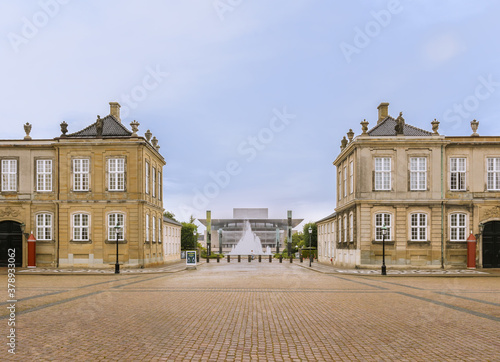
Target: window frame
[382, 176]
[42, 229]
[345, 181]
[418, 175]
[76, 226]
[351, 227]
[159, 185]
[147, 228]
[460, 175]
[116, 175]
[351, 177]
[340, 229]
[458, 227]
[418, 228]
[494, 173]
[147, 177]
[345, 228]
[153, 187]
[7, 184]
[379, 222]
[111, 228]
[153, 229]
[44, 177]
[86, 175]
[340, 183]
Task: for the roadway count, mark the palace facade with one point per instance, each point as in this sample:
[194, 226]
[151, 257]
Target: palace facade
[429, 191]
[81, 193]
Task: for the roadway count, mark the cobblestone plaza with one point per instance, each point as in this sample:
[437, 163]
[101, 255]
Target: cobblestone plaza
[253, 311]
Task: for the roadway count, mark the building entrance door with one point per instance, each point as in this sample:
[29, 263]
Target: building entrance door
[491, 245]
[11, 239]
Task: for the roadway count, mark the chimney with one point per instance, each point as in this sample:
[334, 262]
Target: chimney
[115, 110]
[383, 112]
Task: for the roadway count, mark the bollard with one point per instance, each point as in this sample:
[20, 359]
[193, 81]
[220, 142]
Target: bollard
[239, 258]
[218, 257]
[249, 259]
[281, 258]
[270, 258]
[208, 260]
[291, 259]
[260, 258]
[301, 258]
[229, 258]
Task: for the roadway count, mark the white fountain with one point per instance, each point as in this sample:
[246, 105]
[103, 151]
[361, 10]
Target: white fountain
[249, 244]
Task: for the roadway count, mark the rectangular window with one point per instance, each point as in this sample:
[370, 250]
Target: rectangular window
[345, 228]
[115, 220]
[44, 227]
[43, 175]
[147, 177]
[81, 227]
[147, 227]
[419, 227]
[381, 220]
[457, 174]
[154, 182]
[159, 230]
[154, 229]
[351, 227]
[457, 227]
[493, 174]
[382, 173]
[9, 175]
[418, 173]
[345, 181]
[334, 226]
[116, 171]
[340, 229]
[351, 176]
[81, 168]
[159, 185]
[340, 185]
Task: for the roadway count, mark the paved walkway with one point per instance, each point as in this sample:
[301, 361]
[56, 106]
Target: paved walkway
[178, 266]
[251, 312]
[168, 268]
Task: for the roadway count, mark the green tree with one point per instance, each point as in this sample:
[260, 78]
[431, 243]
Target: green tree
[314, 235]
[170, 215]
[188, 240]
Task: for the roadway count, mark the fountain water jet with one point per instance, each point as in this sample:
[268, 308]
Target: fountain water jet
[249, 244]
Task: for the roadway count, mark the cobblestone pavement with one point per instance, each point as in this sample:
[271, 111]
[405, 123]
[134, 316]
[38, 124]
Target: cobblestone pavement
[169, 268]
[252, 311]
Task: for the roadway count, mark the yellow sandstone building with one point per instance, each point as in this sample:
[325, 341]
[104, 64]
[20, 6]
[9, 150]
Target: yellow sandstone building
[429, 191]
[74, 190]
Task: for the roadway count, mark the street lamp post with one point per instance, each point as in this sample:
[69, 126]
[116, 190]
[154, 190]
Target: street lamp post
[384, 232]
[117, 265]
[310, 237]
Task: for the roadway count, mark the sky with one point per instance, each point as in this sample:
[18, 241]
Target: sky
[249, 99]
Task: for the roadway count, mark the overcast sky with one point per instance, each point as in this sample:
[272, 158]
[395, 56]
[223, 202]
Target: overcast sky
[249, 99]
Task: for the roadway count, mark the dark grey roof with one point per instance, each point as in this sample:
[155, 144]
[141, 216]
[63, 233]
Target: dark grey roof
[171, 221]
[386, 128]
[326, 218]
[111, 128]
